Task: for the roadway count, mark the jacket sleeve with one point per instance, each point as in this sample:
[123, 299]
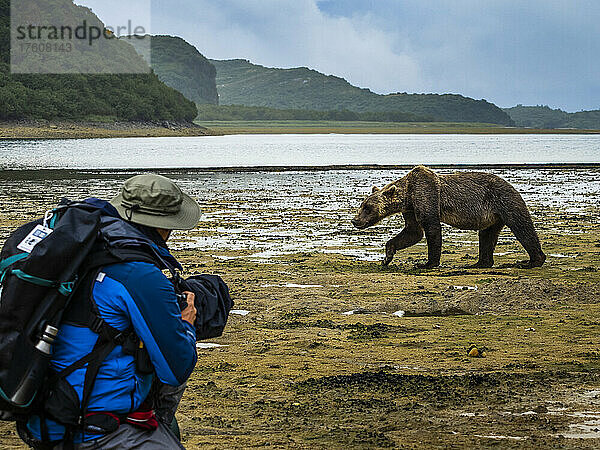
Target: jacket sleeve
[156, 319]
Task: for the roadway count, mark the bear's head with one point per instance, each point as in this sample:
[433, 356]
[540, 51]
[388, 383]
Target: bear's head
[380, 204]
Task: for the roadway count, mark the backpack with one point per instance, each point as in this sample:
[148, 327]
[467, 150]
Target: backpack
[39, 265]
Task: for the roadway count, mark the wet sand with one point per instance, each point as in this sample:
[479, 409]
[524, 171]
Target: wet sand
[296, 371]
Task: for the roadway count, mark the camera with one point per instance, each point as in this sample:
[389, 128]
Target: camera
[182, 301]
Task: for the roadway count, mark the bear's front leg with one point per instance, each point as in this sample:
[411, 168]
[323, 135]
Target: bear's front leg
[409, 236]
[390, 251]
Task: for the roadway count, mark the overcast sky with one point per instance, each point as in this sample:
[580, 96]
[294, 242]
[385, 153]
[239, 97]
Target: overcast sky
[506, 51]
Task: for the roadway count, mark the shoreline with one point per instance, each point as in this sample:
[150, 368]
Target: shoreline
[316, 130]
[85, 172]
[42, 130]
[360, 127]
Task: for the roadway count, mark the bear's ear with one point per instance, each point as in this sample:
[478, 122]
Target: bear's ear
[390, 191]
[375, 189]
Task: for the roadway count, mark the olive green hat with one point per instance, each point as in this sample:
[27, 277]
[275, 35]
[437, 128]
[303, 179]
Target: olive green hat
[155, 201]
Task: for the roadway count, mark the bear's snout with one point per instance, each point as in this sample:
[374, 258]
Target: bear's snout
[360, 224]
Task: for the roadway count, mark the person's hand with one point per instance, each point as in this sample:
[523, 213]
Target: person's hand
[189, 313]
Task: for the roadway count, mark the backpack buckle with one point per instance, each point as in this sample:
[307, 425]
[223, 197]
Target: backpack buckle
[120, 337]
[97, 325]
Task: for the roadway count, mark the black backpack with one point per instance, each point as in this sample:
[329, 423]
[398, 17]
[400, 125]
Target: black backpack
[39, 266]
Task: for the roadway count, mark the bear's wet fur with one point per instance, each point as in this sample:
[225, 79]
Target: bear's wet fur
[466, 200]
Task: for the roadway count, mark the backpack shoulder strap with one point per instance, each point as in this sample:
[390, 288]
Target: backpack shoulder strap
[84, 312]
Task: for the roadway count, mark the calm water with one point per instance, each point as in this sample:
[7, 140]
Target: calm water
[298, 150]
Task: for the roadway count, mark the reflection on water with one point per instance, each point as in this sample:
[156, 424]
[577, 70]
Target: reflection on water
[262, 215]
[298, 150]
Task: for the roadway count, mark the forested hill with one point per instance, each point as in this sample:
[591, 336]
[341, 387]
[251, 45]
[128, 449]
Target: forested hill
[545, 117]
[139, 97]
[240, 82]
[181, 66]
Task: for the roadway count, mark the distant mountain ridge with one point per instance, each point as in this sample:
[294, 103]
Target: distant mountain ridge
[181, 66]
[545, 117]
[240, 82]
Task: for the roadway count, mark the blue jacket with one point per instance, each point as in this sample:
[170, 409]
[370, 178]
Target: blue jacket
[136, 295]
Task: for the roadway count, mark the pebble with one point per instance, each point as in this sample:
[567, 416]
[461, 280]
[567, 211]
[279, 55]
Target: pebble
[475, 352]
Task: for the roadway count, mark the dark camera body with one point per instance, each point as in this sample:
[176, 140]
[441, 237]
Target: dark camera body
[182, 300]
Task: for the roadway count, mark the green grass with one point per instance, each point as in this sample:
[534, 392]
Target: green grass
[359, 127]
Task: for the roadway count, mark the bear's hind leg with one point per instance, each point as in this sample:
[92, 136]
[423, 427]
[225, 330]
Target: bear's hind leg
[525, 233]
[488, 238]
[433, 234]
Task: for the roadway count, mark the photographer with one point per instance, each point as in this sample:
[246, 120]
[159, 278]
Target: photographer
[156, 353]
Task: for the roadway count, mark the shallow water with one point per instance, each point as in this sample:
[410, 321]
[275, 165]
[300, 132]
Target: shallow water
[298, 150]
[260, 216]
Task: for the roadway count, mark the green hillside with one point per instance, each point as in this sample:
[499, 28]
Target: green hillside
[240, 82]
[181, 66]
[545, 117]
[537, 116]
[240, 112]
[80, 97]
[589, 120]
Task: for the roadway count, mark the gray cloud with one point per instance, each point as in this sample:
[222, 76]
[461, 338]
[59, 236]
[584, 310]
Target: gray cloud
[510, 51]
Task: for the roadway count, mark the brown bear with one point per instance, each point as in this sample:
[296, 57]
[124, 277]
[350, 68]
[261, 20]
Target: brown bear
[466, 200]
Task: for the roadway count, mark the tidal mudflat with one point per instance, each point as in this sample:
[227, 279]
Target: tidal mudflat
[297, 370]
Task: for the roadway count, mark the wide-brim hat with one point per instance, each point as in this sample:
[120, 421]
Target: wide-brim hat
[156, 201]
